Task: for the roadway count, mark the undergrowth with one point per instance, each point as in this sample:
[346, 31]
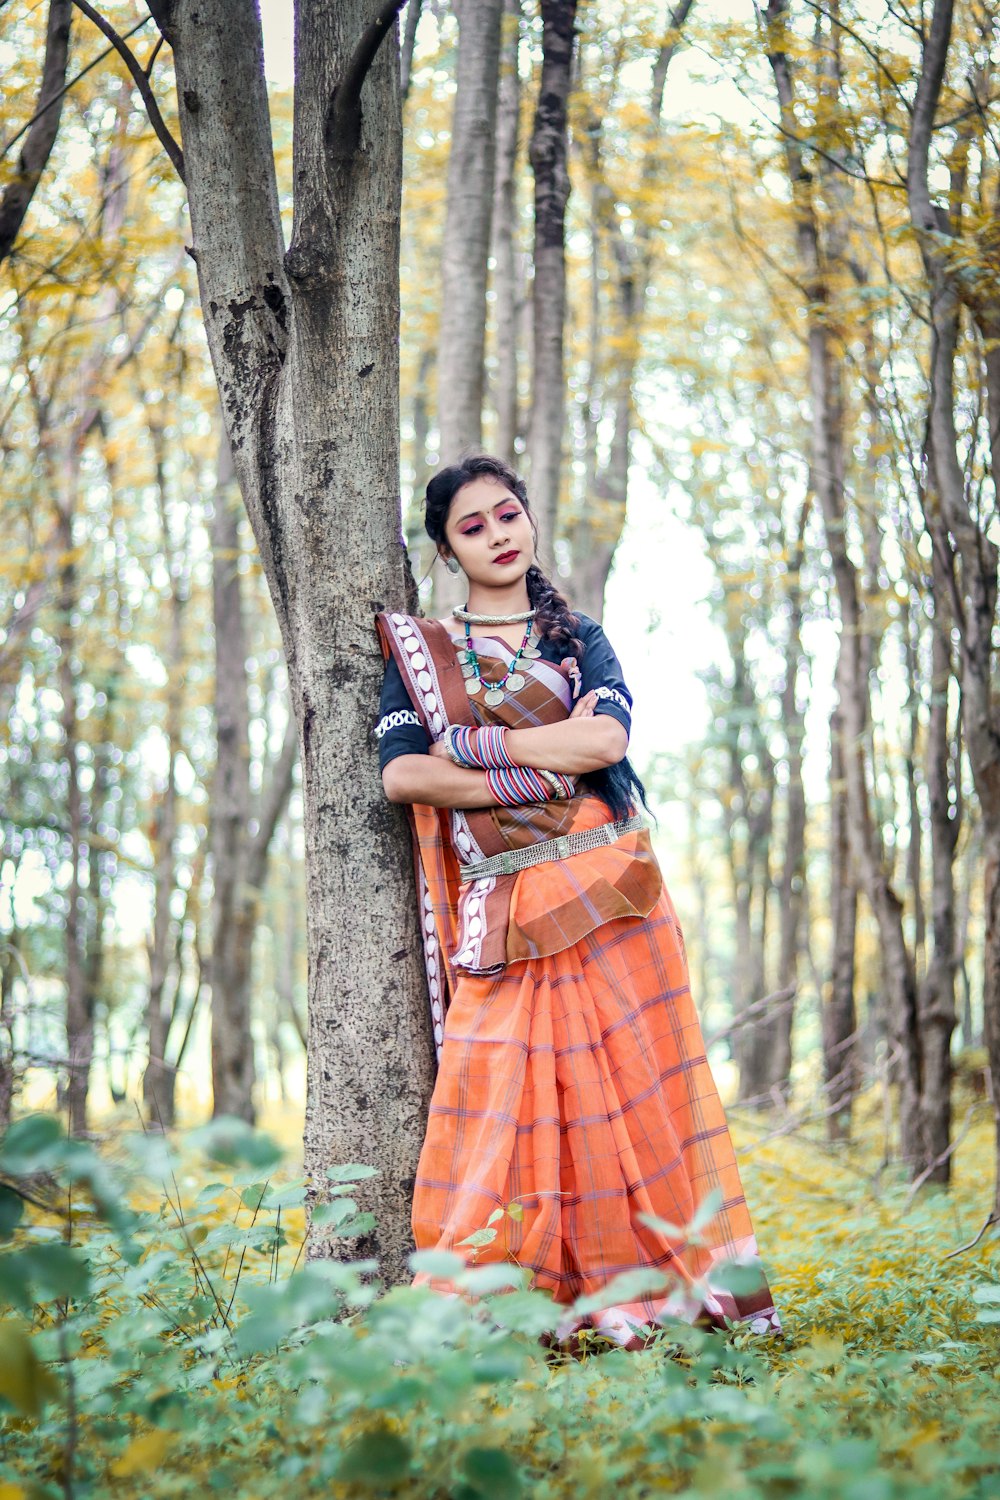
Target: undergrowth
[162, 1335]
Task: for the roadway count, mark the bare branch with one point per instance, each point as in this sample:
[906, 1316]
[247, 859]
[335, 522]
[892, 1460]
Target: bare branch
[141, 81]
[344, 120]
[44, 108]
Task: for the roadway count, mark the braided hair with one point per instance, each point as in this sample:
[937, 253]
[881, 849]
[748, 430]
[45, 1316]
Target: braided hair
[618, 785]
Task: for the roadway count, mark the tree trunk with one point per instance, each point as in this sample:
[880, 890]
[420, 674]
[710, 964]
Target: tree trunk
[316, 450]
[549, 153]
[937, 992]
[158, 1077]
[231, 954]
[505, 278]
[468, 214]
[839, 1016]
[827, 454]
[791, 890]
[967, 557]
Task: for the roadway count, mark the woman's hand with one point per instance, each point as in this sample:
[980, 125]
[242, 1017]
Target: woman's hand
[584, 707]
[437, 749]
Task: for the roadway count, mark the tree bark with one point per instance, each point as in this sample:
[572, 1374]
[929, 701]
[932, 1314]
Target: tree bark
[305, 348]
[839, 1015]
[791, 888]
[967, 558]
[505, 278]
[468, 217]
[549, 156]
[827, 454]
[231, 953]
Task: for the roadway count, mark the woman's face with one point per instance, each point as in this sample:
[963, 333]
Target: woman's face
[489, 531]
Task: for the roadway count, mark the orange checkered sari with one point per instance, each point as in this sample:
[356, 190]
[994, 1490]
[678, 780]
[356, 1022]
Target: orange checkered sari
[572, 1076]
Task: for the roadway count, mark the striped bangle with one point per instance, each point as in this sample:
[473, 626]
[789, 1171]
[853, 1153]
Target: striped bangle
[478, 749]
[513, 786]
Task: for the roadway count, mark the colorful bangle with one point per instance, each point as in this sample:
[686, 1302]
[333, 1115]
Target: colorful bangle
[515, 785]
[478, 749]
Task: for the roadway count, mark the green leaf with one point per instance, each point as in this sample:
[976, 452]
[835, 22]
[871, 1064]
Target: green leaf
[736, 1277]
[29, 1145]
[436, 1263]
[11, 1211]
[494, 1277]
[352, 1172]
[328, 1215]
[236, 1144]
[986, 1293]
[706, 1211]
[56, 1270]
[492, 1474]
[480, 1238]
[359, 1224]
[375, 1458]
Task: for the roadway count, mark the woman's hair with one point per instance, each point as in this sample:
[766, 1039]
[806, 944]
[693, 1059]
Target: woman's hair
[617, 785]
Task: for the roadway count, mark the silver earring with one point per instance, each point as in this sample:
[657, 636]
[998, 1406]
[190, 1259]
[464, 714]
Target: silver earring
[453, 565]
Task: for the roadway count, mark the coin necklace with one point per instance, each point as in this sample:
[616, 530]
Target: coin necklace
[511, 682]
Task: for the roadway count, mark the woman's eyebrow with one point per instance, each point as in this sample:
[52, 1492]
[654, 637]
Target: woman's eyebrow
[507, 500]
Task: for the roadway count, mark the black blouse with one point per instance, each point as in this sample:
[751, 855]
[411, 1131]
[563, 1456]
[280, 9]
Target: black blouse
[399, 731]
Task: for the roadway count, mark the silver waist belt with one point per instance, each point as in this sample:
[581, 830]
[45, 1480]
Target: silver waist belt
[512, 860]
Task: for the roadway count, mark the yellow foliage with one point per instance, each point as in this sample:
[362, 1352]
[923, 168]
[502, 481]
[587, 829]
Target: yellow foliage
[142, 1454]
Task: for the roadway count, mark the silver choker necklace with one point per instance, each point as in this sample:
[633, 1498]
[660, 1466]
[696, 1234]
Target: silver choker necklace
[470, 619]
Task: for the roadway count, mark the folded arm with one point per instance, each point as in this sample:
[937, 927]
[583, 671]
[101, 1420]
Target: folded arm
[586, 741]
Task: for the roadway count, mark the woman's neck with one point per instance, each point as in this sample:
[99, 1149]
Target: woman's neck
[507, 599]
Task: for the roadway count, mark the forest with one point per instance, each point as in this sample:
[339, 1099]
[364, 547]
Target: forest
[721, 278]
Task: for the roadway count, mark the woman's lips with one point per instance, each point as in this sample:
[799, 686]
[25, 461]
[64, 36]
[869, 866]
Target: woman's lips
[506, 557]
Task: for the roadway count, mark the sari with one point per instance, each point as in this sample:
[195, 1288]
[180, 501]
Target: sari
[572, 1077]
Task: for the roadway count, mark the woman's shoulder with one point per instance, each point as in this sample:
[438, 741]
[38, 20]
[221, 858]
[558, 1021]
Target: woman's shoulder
[588, 629]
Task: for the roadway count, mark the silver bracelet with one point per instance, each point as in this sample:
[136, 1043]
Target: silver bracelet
[552, 781]
[449, 748]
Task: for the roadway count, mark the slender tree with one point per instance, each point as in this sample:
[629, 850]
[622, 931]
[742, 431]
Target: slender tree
[548, 153]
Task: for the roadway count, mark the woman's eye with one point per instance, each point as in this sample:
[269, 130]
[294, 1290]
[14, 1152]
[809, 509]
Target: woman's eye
[511, 515]
[471, 530]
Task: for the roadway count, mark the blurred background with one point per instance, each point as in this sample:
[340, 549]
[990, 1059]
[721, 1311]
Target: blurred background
[150, 803]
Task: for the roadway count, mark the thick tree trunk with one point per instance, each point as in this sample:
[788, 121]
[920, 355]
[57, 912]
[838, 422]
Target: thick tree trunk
[316, 449]
[549, 156]
[468, 214]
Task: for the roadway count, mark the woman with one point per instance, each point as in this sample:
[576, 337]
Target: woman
[572, 1087]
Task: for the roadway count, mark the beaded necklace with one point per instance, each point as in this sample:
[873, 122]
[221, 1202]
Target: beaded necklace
[511, 682]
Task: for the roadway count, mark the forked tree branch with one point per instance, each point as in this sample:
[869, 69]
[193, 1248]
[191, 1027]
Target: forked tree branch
[344, 116]
[141, 81]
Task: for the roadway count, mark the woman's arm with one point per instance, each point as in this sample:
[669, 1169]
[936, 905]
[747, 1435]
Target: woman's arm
[435, 781]
[584, 742]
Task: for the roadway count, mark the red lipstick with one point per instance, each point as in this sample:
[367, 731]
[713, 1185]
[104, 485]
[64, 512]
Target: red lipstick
[506, 557]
